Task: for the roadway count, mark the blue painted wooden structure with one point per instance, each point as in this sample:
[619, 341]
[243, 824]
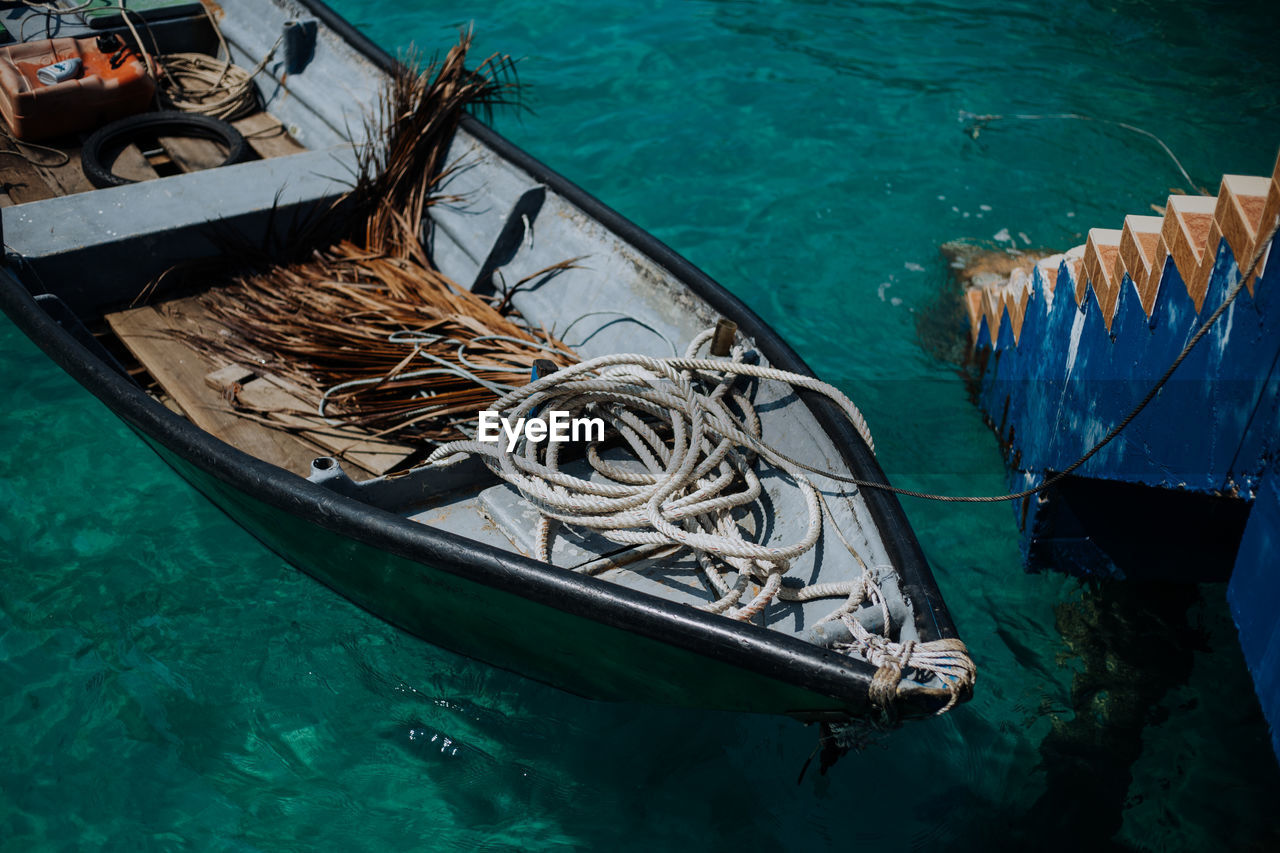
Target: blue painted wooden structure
[1254, 596]
[1191, 489]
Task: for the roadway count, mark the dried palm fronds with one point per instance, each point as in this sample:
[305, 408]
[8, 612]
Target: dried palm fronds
[381, 342]
[366, 328]
[416, 119]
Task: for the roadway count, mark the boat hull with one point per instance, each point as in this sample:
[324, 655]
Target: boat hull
[578, 633]
[589, 658]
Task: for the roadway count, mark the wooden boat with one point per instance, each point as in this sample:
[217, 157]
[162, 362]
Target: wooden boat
[449, 554]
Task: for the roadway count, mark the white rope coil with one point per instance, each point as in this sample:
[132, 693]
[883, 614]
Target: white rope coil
[692, 442]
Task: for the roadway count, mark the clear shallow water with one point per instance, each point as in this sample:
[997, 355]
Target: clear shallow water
[167, 684]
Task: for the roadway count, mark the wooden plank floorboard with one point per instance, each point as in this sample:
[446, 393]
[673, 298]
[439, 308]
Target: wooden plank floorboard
[148, 333]
[193, 153]
[67, 178]
[133, 165]
[280, 401]
[23, 182]
[202, 390]
[267, 136]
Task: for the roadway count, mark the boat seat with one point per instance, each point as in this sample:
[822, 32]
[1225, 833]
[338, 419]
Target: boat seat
[143, 229]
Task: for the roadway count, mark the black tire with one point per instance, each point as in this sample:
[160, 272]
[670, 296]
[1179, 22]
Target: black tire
[114, 136]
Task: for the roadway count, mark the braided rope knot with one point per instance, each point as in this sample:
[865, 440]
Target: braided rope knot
[884, 684]
[946, 658]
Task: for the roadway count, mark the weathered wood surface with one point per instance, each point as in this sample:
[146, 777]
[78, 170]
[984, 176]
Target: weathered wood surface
[267, 136]
[279, 401]
[275, 423]
[148, 332]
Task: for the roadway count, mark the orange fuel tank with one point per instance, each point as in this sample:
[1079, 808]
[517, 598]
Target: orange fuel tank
[111, 83]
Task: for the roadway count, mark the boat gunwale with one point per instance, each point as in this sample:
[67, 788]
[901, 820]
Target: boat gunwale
[754, 648]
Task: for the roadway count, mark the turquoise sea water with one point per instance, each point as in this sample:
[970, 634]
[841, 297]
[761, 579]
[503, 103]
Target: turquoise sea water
[168, 684]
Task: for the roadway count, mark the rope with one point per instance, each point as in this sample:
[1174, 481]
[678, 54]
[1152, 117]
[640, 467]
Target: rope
[692, 442]
[856, 417]
[621, 317]
[977, 122]
[197, 83]
[17, 151]
[677, 498]
[222, 90]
